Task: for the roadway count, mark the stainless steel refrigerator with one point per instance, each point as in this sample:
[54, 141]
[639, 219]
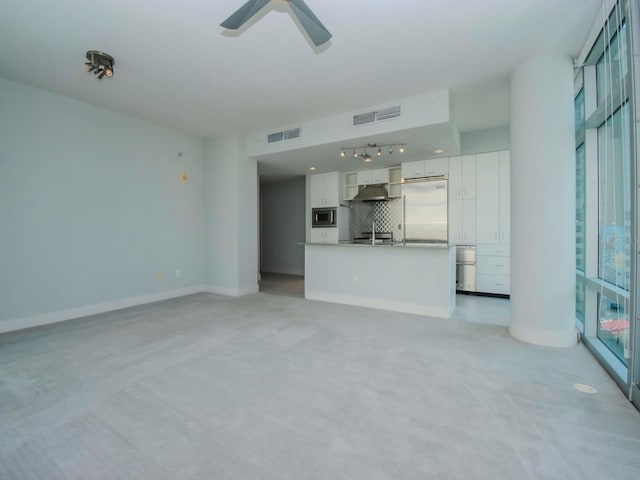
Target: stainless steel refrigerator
[425, 210]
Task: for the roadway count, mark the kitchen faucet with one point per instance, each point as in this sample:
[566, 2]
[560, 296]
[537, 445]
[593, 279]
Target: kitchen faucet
[373, 231]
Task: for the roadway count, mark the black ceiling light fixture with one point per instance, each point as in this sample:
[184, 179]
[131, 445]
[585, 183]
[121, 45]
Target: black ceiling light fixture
[375, 147]
[100, 64]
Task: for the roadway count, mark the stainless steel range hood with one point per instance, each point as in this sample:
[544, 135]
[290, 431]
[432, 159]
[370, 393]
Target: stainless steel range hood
[372, 193]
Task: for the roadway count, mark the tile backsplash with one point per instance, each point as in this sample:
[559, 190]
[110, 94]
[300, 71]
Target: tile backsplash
[388, 217]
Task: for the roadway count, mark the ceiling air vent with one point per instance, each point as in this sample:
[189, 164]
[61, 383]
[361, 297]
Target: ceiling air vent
[274, 137]
[386, 113]
[370, 117]
[364, 118]
[293, 133]
[286, 135]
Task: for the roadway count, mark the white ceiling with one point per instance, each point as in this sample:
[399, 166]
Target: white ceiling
[177, 67]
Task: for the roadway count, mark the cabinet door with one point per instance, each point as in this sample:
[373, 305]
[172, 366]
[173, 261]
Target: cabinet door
[469, 221]
[437, 166]
[505, 197]
[317, 195]
[455, 221]
[365, 177]
[455, 177]
[331, 235]
[413, 169]
[332, 189]
[468, 176]
[380, 175]
[488, 198]
[317, 235]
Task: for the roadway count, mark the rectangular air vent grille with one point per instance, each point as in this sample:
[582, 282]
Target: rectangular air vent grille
[383, 114]
[293, 133]
[391, 112]
[364, 118]
[274, 137]
[286, 135]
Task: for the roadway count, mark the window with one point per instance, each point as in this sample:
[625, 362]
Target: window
[613, 66]
[614, 200]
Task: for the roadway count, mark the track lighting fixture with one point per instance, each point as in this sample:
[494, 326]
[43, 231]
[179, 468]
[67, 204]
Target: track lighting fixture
[100, 64]
[378, 149]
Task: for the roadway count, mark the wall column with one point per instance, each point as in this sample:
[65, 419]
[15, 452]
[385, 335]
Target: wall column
[543, 202]
[231, 217]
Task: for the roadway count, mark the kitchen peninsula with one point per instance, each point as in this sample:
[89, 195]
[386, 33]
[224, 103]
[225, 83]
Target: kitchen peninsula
[418, 279]
[386, 237]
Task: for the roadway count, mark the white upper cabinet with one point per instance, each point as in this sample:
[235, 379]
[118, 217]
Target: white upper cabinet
[371, 177]
[493, 197]
[455, 177]
[425, 168]
[325, 189]
[468, 176]
[436, 167]
[413, 169]
[317, 191]
[462, 177]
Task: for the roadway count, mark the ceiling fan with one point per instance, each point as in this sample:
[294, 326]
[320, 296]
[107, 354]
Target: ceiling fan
[314, 28]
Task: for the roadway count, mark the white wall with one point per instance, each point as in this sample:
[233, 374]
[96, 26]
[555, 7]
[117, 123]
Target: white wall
[283, 226]
[425, 109]
[230, 217]
[486, 140]
[92, 205]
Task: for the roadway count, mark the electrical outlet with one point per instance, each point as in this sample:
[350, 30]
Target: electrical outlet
[178, 273]
[160, 275]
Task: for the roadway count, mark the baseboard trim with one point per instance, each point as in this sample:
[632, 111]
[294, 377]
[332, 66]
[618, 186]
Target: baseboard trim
[546, 338]
[231, 291]
[69, 314]
[285, 271]
[403, 307]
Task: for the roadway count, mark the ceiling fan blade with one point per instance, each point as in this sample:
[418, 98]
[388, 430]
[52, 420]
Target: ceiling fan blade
[243, 14]
[312, 25]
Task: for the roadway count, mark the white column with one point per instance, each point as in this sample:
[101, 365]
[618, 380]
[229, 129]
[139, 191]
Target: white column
[543, 202]
[231, 217]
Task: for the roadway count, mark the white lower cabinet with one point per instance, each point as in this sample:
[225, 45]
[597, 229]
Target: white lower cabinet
[324, 235]
[488, 283]
[493, 267]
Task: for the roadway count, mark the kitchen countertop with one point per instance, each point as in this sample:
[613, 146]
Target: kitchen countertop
[349, 243]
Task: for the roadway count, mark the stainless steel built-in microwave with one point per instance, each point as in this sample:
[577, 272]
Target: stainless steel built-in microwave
[323, 217]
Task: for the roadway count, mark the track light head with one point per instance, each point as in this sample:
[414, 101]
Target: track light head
[100, 64]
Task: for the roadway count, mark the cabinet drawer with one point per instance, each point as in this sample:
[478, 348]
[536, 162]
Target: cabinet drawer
[493, 284]
[498, 250]
[493, 265]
